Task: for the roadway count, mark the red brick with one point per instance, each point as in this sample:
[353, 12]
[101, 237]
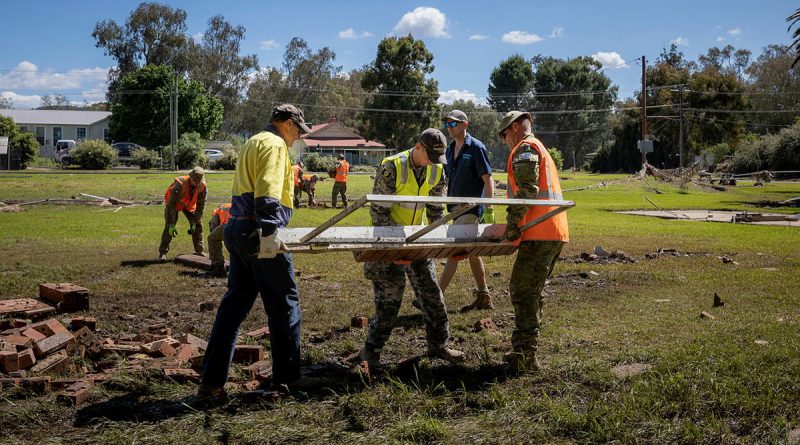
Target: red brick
[196, 361]
[18, 341]
[120, 349]
[84, 337]
[359, 322]
[259, 333]
[78, 322]
[24, 307]
[182, 375]
[184, 352]
[66, 296]
[248, 353]
[252, 385]
[53, 343]
[33, 334]
[159, 348]
[26, 359]
[77, 393]
[55, 363]
[49, 327]
[9, 361]
[259, 370]
[198, 342]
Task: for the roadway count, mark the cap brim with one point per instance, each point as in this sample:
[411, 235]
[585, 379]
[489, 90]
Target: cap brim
[436, 158]
[303, 127]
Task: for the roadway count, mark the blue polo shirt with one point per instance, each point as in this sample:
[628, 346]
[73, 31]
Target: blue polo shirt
[465, 171]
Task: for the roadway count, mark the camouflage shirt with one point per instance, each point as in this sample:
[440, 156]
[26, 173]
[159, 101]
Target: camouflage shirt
[525, 165]
[171, 213]
[385, 184]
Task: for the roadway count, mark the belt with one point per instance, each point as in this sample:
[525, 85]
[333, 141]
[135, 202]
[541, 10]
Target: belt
[244, 218]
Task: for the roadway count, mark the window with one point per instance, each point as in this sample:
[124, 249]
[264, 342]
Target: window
[56, 134]
[39, 135]
[80, 133]
[106, 135]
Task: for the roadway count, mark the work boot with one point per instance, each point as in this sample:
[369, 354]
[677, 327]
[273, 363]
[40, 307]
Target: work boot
[210, 396]
[162, 257]
[520, 362]
[217, 271]
[483, 300]
[445, 353]
[372, 358]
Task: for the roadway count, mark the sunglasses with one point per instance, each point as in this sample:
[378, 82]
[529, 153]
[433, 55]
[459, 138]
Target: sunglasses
[451, 124]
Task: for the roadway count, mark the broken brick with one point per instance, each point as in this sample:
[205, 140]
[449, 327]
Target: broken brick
[184, 352]
[705, 314]
[159, 348]
[248, 354]
[49, 327]
[33, 334]
[18, 341]
[259, 333]
[182, 375]
[359, 322]
[77, 323]
[9, 361]
[197, 342]
[259, 370]
[86, 338]
[77, 393]
[67, 297]
[26, 359]
[53, 343]
[25, 307]
[55, 363]
[160, 329]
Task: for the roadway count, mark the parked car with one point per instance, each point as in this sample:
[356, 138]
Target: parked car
[213, 154]
[62, 150]
[125, 152]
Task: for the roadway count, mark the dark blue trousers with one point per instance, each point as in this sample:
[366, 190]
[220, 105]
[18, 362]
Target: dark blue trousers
[249, 276]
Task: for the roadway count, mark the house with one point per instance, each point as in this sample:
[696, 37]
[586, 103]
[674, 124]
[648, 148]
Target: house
[331, 138]
[48, 126]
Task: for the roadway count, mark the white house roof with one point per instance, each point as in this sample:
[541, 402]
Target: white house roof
[55, 117]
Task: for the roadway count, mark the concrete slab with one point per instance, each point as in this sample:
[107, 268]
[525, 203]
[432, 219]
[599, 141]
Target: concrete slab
[715, 216]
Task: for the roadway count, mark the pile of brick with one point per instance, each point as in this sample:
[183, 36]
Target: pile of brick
[64, 297]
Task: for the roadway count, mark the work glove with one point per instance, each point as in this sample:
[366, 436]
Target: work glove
[488, 216]
[191, 229]
[512, 232]
[270, 246]
[173, 231]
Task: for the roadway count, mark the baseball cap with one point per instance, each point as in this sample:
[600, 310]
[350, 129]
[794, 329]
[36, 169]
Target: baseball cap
[341, 156]
[197, 173]
[510, 117]
[435, 145]
[456, 115]
[288, 111]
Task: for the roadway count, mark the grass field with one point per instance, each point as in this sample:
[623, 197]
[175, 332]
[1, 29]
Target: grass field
[710, 382]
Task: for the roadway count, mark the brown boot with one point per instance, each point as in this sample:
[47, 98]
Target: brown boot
[445, 353]
[483, 300]
[520, 362]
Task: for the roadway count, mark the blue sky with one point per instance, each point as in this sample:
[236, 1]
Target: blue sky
[46, 46]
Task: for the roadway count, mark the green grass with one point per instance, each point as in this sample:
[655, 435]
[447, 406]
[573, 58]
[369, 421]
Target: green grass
[710, 382]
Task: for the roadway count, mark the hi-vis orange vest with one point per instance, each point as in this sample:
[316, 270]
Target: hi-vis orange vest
[342, 168]
[223, 212]
[185, 202]
[296, 172]
[554, 228]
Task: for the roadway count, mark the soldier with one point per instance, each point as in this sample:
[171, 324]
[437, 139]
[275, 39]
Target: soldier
[308, 184]
[187, 194]
[410, 173]
[297, 174]
[532, 174]
[216, 225]
[340, 181]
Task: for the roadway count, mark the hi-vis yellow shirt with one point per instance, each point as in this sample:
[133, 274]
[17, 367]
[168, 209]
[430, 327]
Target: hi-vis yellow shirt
[263, 184]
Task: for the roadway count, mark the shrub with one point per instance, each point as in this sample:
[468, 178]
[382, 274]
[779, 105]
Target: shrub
[316, 163]
[92, 154]
[20, 142]
[145, 158]
[716, 153]
[363, 168]
[784, 154]
[228, 159]
[189, 152]
[558, 158]
[751, 155]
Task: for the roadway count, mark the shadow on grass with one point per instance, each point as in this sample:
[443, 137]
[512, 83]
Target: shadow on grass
[141, 263]
[129, 408]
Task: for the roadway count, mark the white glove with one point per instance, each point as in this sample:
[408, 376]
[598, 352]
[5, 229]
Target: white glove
[270, 246]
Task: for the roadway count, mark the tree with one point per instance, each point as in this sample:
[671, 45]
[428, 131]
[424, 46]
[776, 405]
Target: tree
[511, 85]
[217, 64]
[572, 85]
[6, 102]
[141, 111]
[483, 125]
[727, 60]
[403, 95]
[54, 102]
[774, 85]
[22, 144]
[794, 19]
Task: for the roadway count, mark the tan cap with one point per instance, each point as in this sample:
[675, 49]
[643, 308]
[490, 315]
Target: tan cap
[511, 117]
[456, 115]
[197, 173]
[288, 111]
[435, 145]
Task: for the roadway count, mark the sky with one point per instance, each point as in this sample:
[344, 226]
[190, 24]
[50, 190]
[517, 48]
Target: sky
[46, 47]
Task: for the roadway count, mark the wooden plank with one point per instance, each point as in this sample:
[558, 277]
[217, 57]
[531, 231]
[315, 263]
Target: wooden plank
[198, 261]
[355, 205]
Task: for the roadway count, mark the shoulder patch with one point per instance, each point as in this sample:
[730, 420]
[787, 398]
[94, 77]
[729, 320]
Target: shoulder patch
[386, 173]
[526, 156]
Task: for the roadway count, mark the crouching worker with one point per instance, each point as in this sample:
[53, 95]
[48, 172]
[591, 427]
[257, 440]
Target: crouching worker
[415, 172]
[216, 225]
[187, 194]
[308, 184]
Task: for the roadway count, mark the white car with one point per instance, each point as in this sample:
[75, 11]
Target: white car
[61, 154]
[213, 154]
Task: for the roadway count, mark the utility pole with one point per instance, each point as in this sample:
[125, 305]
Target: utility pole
[680, 131]
[174, 167]
[644, 110]
[171, 131]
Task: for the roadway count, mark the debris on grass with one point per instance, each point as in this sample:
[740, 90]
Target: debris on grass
[624, 372]
[705, 314]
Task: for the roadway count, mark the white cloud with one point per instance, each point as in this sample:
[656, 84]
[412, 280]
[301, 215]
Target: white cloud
[521, 38]
[478, 37]
[450, 96]
[734, 32]
[197, 38]
[558, 32]
[423, 22]
[21, 102]
[27, 75]
[610, 60]
[681, 41]
[720, 38]
[349, 33]
[269, 44]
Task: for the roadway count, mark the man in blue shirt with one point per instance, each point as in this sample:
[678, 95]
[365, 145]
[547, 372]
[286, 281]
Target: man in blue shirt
[469, 174]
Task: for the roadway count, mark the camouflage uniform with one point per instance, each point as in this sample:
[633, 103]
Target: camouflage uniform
[308, 186]
[388, 279]
[215, 239]
[171, 218]
[535, 259]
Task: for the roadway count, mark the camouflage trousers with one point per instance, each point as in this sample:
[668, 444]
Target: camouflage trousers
[166, 238]
[535, 261]
[389, 282]
[339, 188]
[215, 239]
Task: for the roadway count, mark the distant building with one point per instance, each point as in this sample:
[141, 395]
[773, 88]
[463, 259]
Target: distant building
[331, 138]
[49, 126]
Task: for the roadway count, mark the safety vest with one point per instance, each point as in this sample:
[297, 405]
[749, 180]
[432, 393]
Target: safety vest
[342, 168]
[554, 228]
[222, 212]
[296, 174]
[405, 213]
[185, 202]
